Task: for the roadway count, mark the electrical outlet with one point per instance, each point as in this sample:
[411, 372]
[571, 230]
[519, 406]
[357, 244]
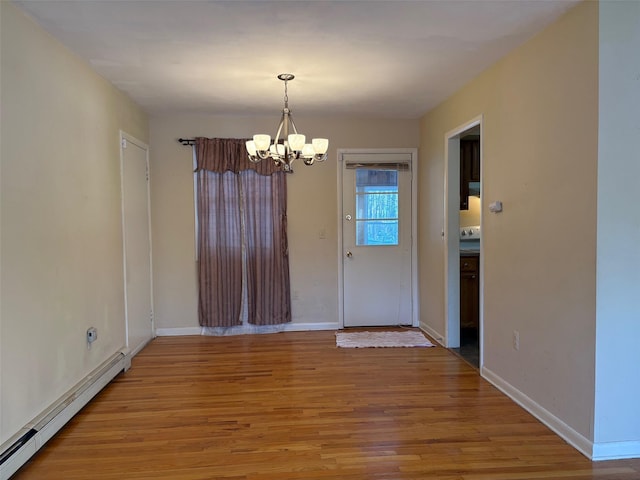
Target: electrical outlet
[92, 334]
[516, 340]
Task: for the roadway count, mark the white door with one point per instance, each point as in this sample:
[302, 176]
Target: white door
[377, 239]
[137, 244]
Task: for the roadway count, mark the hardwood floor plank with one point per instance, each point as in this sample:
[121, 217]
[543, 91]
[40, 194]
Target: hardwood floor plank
[292, 406]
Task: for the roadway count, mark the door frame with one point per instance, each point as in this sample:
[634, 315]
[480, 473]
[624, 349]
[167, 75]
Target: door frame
[124, 139]
[415, 310]
[452, 235]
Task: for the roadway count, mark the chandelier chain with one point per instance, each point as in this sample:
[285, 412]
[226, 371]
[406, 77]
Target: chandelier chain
[286, 96]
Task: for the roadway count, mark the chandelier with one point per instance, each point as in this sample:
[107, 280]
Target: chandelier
[283, 151]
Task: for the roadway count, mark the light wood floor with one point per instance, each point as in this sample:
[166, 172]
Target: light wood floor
[293, 406]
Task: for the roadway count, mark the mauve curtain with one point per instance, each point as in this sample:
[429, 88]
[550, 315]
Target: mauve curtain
[228, 184]
[228, 154]
[219, 249]
[265, 209]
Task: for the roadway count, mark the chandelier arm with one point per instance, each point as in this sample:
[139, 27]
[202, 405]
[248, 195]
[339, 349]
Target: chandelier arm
[286, 119]
[285, 124]
[282, 122]
[261, 155]
[295, 130]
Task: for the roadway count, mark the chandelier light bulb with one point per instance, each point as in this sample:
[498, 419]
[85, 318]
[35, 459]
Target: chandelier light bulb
[251, 147]
[262, 142]
[296, 142]
[308, 151]
[277, 151]
[320, 145]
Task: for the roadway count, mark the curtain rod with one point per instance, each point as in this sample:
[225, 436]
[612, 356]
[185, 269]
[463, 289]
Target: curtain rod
[190, 142]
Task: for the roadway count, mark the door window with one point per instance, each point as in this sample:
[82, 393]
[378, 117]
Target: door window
[376, 207]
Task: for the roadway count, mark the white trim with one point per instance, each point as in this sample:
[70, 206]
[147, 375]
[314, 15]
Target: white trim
[434, 334]
[572, 437]
[415, 274]
[615, 450]
[451, 236]
[124, 139]
[178, 331]
[287, 327]
[340, 241]
[139, 348]
[451, 247]
[415, 291]
[307, 327]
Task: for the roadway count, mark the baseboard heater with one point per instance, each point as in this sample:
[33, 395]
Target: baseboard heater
[21, 447]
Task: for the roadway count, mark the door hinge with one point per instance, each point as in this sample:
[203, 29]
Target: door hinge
[124, 143]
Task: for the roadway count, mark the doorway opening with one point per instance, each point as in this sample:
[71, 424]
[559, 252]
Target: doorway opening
[463, 248]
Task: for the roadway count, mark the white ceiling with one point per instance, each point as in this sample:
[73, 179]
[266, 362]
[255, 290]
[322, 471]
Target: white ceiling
[394, 59]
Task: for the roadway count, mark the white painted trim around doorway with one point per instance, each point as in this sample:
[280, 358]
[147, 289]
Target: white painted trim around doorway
[415, 313]
[126, 138]
[451, 235]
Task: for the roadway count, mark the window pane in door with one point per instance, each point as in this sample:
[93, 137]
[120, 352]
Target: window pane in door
[376, 207]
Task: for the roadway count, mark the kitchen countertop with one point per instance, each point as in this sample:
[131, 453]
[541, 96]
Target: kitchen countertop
[470, 248]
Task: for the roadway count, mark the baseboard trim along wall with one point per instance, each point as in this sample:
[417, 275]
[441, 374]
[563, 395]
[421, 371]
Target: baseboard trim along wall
[287, 327]
[17, 450]
[572, 437]
[615, 450]
[178, 332]
[301, 327]
[437, 336]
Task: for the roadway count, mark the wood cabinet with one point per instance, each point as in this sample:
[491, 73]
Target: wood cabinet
[469, 168]
[469, 293]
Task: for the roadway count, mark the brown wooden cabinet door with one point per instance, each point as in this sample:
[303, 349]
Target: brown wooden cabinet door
[469, 293]
[474, 169]
[469, 169]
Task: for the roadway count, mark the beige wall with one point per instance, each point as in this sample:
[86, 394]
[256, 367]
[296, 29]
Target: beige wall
[540, 123]
[61, 256]
[471, 217]
[312, 208]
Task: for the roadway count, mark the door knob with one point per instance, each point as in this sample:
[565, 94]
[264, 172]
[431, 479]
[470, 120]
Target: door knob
[349, 254]
[347, 217]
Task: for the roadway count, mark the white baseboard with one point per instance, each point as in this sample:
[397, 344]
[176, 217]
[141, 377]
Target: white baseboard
[289, 327]
[435, 335]
[572, 437]
[615, 450]
[177, 332]
[304, 327]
